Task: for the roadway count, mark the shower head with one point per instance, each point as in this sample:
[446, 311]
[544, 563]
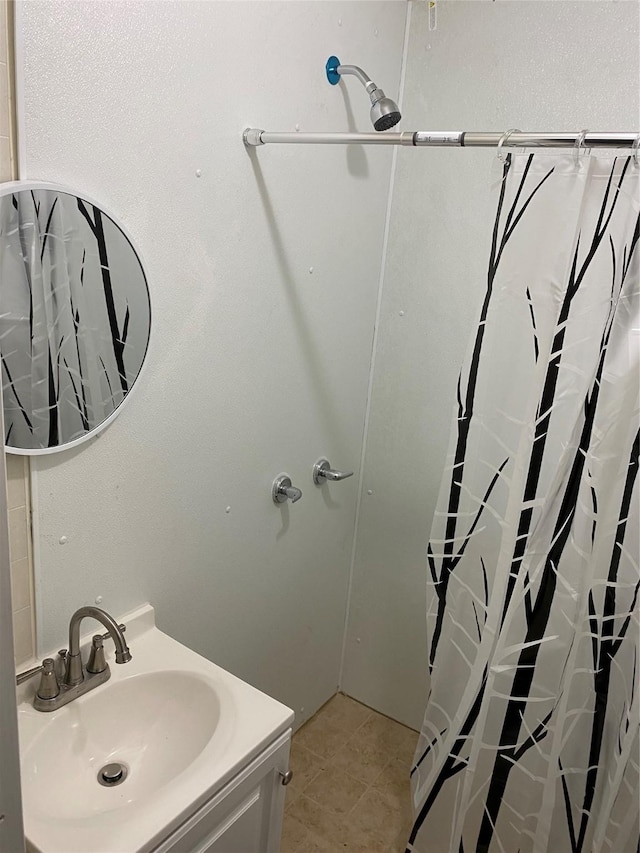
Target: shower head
[384, 111]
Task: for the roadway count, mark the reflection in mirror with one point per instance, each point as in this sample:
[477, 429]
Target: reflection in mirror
[75, 317]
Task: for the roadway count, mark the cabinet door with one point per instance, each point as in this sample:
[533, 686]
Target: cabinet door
[245, 817]
[247, 828]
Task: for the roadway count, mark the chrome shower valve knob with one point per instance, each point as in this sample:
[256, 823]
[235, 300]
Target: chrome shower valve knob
[323, 472]
[282, 490]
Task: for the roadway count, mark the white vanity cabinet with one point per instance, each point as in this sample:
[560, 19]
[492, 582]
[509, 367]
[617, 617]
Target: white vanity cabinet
[245, 816]
[205, 754]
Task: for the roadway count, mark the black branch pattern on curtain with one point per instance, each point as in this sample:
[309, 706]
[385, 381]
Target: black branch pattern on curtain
[500, 240]
[454, 763]
[22, 408]
[539, 615]
[545, 408]
[536, 602]
[81, 393]
[53, 386]
[604, 652]
[76, 327]
[118, 342]
[604, 644]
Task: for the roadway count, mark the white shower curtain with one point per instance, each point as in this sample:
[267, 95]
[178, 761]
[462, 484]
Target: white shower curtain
[530, 736]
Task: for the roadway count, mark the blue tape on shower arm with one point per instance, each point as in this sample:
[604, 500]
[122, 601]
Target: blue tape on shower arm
[332, 70]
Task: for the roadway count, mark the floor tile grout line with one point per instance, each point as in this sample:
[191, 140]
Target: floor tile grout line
[372, 711]
[359, 800]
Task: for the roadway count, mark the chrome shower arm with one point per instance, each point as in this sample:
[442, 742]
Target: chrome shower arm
[384, 111]
[366, 81]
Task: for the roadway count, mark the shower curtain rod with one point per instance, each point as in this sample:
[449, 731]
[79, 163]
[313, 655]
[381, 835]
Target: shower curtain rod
[253, 137]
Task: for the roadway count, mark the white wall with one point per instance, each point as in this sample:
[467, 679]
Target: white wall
[257, 364]
[554, 66]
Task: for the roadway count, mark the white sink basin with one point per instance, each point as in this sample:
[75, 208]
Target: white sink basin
[179, 725]
[156, 725]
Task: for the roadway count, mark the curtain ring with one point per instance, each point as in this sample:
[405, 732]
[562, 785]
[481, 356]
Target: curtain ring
[577, 146]
[503, 140]
[634, 151]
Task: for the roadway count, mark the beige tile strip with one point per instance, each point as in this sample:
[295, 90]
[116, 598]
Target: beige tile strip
[22, 588]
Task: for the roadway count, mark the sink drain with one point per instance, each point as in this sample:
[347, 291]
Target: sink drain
[112, 774]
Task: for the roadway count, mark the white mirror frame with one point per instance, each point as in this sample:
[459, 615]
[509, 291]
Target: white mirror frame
[10, 187]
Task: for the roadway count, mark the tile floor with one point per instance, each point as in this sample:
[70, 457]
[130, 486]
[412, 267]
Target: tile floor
[350, 786]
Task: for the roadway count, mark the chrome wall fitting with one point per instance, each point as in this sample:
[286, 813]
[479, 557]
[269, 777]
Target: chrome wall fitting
[322, 471]
[282, 490]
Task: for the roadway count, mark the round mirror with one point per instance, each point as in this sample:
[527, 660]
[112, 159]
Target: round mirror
[75, 317]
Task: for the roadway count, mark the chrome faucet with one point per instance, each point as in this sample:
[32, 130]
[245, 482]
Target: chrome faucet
[74, 673]
[64, 681]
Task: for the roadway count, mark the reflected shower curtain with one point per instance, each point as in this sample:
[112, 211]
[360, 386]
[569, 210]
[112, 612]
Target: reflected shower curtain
[68, 357]
[530, 737]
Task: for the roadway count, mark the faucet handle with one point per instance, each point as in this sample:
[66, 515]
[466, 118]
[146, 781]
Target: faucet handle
[48, 687]
[97, 662]
[105, 636]
[21, 677]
